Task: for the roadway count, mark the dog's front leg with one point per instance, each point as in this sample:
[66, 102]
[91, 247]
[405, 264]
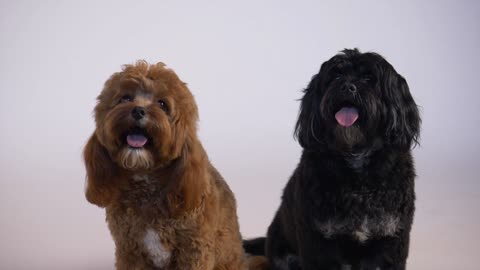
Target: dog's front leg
[199, 258]
[318, 253]
[388, 253]
[194, 251]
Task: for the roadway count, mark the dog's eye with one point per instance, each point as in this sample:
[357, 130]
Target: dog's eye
[126, 98]
[337, 77]
[163, 105]
[367, 78]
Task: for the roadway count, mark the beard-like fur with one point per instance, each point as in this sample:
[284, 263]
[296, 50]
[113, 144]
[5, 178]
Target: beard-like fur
[350, 200]
[135, 159]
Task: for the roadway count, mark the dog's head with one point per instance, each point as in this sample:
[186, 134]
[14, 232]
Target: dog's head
[357, 101]
[144, 116]
[145, 119]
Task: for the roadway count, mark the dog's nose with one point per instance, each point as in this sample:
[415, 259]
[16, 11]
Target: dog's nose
[350, 87]
[138, 112]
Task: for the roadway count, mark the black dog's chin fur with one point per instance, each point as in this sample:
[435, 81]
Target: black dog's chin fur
[350, 201]
[346, 139]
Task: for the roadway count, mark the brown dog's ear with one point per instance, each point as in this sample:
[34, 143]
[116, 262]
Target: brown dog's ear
[191, 183]
[100, 188]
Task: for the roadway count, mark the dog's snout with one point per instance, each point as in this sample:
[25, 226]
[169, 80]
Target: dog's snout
[350, 87]
[138, 113]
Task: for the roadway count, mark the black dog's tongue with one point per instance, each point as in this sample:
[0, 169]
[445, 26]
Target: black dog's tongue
[346, 116]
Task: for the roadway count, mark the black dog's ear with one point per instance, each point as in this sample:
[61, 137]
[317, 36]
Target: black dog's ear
[308, 118]
[403, 118]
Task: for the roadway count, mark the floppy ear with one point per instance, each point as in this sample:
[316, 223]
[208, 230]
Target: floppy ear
[309, 118]
[184, 126]
[303, 127]
[179, 134]
[190, 179]
[403, 128]
[190, 175]
[100, 173]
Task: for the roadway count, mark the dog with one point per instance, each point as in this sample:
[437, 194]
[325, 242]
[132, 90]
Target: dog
[166, 206]
[350, 202]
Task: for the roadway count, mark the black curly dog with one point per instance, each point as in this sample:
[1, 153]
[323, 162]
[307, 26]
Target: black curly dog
[350, 202]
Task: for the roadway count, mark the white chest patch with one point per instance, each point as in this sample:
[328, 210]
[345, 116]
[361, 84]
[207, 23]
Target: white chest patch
[387, 225]
[159, 255]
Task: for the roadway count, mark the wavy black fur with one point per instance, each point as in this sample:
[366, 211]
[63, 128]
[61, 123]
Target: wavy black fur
[350, 201]
[255, 246]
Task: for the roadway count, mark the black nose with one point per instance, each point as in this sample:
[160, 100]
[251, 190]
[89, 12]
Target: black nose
[138, 113]
[350, 87]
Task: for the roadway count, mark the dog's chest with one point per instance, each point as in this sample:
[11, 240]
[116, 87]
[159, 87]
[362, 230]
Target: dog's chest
[144, 191]
[149, 238]
[139, 222]
[158, 253]
[361, 229]
[360, 215]
[143, 179]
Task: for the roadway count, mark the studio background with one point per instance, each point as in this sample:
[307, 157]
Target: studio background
[246, 62]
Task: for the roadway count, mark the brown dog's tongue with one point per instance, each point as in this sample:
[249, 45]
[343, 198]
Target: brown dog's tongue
[136, 140]
[346, 116]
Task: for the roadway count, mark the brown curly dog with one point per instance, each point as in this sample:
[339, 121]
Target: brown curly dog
[167, 207]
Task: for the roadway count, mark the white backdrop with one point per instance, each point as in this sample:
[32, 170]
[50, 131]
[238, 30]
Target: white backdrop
[246, 63]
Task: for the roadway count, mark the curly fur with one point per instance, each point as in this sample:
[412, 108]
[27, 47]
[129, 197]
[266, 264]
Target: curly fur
[167, 207]
[350, 202]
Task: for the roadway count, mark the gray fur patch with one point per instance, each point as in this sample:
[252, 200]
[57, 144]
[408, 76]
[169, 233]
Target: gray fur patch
[280, 264]
[387, 225]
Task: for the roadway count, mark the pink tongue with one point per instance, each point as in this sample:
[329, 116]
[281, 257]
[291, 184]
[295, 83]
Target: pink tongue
[136, 140]
[346, 116]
